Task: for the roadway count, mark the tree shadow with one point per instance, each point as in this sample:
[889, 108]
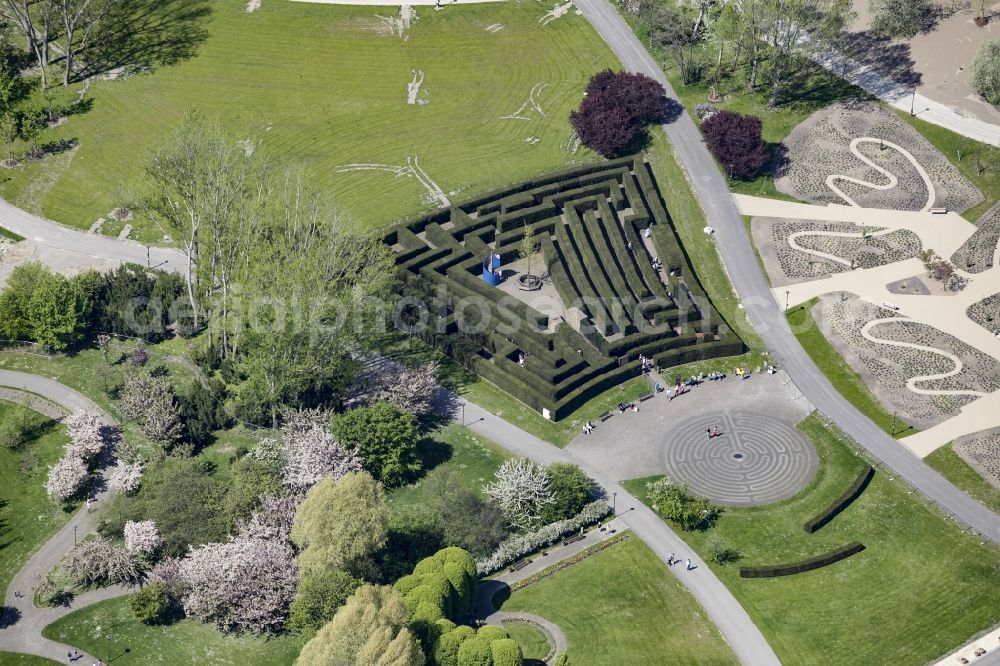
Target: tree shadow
[892, 61]
[432, 453]
[147, 34]
[9, 616]
[672, 111]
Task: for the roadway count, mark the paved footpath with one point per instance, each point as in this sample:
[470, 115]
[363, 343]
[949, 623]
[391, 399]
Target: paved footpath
[736, 627]
[25, 635]
[756, 298]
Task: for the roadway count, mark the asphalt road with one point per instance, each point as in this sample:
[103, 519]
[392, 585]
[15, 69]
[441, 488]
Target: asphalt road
[764, 312]
[49, 234]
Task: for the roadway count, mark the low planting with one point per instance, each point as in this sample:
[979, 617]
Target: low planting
[842, 502]
[792, 568]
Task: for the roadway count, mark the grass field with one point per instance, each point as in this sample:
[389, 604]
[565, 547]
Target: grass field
[622, 606]
[534, 645]
[109, 631]
[918, 590]
[847, 382]
[12, 659]
[324, 86]
[950, 465]
[27, 517]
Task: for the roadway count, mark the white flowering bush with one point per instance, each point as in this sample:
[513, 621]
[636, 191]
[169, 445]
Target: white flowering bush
[168, 572]
[66, 478]
[245, 585]
[125, 477]
[142, 537]
[521, 489]
[269, 451]
[410, 389]
[98, 562]
[273, 520]
[87, 434]
[518, 546]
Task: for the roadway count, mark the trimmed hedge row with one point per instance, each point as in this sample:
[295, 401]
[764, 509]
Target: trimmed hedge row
[842, 502]
[792, 568]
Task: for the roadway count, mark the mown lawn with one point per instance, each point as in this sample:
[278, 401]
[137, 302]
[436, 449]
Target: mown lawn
[952, 467]
[13, 659]
[622, 606]
[534, 645]
[109, 631]
[841, 375]
[919, 589]
[323, 86]
[27, 517]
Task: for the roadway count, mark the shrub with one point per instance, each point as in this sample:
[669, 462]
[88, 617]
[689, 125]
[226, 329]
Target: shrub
[570, 488]
[616, 108]
[722, 553]
[901, 19]
[151, 604]
[986, 72]
[385, 437]
[506, 652]
[97, 562]
[319, 596]
[842, 502]
[139, 356]
[475, 651]
[674, 502]
[792, 568]
[562, 659]
[737, 143]
[447, 646]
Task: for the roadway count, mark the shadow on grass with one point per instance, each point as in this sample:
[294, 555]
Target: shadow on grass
[146, 34]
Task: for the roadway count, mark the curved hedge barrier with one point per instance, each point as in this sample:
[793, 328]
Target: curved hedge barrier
[842, 502]
[792, 568]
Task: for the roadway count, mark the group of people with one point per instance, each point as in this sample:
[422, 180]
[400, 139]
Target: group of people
[75, 654]
[627, 406]
[657, 264]
[713, 432]
[647, 363]
[716, 376]
[672, 560]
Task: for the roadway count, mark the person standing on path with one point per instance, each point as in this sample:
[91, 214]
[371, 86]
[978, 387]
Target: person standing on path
[708, 431]
[687, 565]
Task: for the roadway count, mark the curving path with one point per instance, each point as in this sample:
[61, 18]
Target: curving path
[793, 243]
[25, 635]
[486, 611]
[893, 182]
[911, 383]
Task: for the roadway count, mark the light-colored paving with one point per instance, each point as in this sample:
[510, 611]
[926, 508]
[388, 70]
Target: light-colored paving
[989, 642]
[25, 634]
[944, 233]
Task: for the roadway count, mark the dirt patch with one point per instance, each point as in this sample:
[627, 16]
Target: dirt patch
[986, 313]
[252, 6]
[979, 252]
[913, 286]
[887, 368]
[531, 105]
[821, 147]
[414, 95]
[557, 12]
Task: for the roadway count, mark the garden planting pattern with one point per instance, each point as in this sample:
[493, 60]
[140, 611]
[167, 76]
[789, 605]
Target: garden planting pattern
[986, 313]
[787, 263]
[893, 372]
[982, 451]
[821, 151]
[589, 225]
[979, 252]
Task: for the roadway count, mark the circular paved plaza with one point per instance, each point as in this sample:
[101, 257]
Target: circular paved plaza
[754, 460]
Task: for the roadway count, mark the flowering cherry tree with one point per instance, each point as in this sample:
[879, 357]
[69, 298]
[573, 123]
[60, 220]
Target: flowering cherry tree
[87, 433]
[98, 562]
[521, 489]
[125, 477]
[410, 389]
[150, 402]
[311, 452]
[66, 478]
[273, 520]
[142, 537]
[245, 585]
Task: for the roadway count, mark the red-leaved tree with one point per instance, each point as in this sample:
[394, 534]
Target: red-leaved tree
[737, 143]
[616, 109]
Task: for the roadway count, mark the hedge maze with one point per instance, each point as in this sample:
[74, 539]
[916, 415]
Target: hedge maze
[607, 304]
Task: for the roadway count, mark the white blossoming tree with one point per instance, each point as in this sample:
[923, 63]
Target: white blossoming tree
[245, 585]
[142, 537]
[125, 477]
[66, 478]
[311, 454]
[99, 562]
[521, 489]
[410, 389]
[149, 401]
[87, 433]
[273, 520]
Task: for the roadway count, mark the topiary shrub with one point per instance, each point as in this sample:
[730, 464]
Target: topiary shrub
[475, 651]
[818, 562]
[447, 646]
[842, 502]
[506, 652]
[151, 604]
[737, 143]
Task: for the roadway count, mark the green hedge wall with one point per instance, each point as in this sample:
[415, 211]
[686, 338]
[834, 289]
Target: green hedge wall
[842, 502]
[792, 568]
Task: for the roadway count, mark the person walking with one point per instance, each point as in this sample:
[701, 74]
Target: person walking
[687, 565]
[708, 431]
[715, 432]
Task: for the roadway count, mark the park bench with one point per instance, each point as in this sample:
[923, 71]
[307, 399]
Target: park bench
[520, 564]
[573, 539]
[644, 398]
[938, 211]
[604, 417]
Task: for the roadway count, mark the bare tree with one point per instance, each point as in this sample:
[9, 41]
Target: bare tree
[80, 19]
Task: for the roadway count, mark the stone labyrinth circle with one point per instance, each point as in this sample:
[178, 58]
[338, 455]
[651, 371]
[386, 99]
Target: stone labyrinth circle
[755, 460]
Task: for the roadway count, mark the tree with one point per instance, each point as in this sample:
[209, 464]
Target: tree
[150, 401]
[901, 19]
[142, 537]
[15, 301]
[570, 488]
[98, 562]
[521, 489]
[201, 410]
[185, 502]
[737, 143]
[986, 72]
[341, 524]
[669, 30]
[8, 134]
[245, 585]
[369, 629]
[385, 438]
[45, 307]
[66, 478]
[32, 124]
[80, 19]
[88, 434]
[310, 453]
[616, 108]
[464, 516]
[411, 389]
[34, 19]
[675, 503]
[528, 250]
[125, 477]
[319, 597]
[251, 481]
